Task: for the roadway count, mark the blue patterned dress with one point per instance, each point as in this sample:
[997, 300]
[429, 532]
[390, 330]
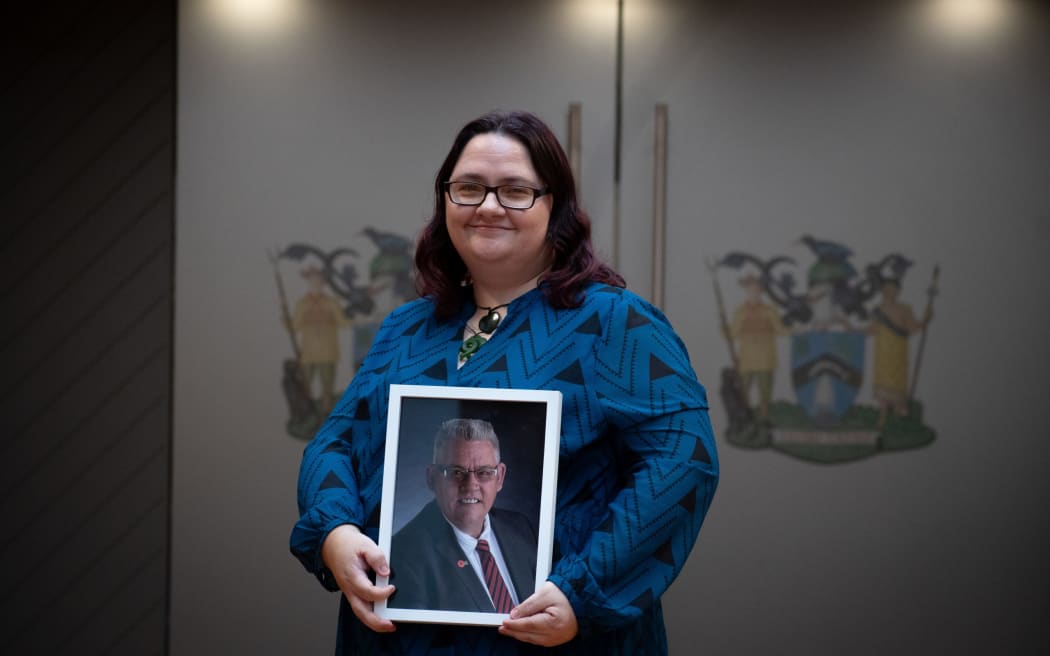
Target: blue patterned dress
[636, 474]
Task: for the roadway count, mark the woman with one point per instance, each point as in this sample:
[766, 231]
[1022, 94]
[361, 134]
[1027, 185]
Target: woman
[512, 295]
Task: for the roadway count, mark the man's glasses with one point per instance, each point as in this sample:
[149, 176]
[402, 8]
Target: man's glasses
[460, 475]
[512, 197]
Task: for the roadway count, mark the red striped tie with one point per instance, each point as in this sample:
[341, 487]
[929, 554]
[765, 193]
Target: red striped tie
[497, 588]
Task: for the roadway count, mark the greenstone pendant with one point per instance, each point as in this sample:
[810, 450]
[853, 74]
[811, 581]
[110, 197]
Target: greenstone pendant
[470, 346]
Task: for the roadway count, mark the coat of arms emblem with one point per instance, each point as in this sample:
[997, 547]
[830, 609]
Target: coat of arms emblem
[846, 331]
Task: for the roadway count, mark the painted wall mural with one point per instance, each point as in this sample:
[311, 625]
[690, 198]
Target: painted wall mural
[846, 331]
[332, 316]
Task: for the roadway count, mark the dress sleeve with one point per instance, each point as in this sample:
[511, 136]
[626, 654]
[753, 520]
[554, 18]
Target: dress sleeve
[331, 490]
[657, 412]
[328, 494]
[341, 476]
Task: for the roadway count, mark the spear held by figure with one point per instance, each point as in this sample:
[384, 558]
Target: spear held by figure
[931, 292]
[285, 314]
[722, 319]
[303, 412]
[731, 388]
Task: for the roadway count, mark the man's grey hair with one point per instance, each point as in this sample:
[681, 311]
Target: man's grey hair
[464, 429]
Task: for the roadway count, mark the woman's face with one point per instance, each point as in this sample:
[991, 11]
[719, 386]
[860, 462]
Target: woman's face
[490, 237]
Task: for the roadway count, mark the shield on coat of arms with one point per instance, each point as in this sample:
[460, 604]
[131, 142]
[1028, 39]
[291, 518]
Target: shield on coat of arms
[827, 369]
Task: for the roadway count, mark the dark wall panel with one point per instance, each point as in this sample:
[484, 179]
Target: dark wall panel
[86, 252]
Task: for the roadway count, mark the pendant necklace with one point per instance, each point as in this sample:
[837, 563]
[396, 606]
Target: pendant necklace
[486, 326]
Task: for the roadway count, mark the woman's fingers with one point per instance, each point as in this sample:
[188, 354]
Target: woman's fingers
[546, 618]
[352, 556]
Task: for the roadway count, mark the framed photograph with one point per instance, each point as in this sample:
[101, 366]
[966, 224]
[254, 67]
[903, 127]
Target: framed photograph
[467, 517]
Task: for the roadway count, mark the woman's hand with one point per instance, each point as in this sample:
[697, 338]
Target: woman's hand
[351, 555]
[546, 618]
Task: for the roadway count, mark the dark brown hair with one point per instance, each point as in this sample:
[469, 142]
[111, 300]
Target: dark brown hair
[440, 268]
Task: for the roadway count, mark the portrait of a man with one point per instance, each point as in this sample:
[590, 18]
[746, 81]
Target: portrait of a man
[460, 553]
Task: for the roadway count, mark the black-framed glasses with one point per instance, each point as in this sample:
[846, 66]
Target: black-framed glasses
[512, 197]
[460, 475]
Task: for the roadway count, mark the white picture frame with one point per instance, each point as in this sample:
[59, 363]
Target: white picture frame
[528, 424]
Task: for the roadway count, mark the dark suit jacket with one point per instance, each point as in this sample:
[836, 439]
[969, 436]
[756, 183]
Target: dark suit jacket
[431, 572]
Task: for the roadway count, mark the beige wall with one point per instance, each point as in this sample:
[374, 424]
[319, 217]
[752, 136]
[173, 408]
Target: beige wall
[855, 125]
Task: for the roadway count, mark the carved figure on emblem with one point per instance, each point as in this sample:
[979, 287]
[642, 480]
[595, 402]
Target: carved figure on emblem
[846, 333]
[335, 316]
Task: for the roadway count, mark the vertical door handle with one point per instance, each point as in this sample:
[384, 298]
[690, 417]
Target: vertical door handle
[575, 151]
[659, 202]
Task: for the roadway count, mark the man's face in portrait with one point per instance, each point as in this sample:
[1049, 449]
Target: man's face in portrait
[465, 481]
